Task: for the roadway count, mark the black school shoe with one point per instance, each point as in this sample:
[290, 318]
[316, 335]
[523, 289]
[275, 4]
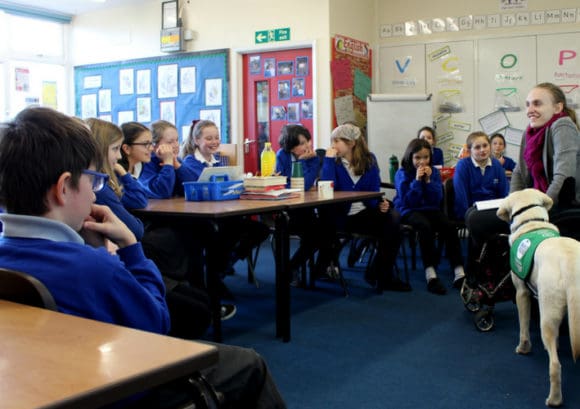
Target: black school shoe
[459, 283]
[435, 286]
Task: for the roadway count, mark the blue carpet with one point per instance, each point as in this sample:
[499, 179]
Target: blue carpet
[396, 350]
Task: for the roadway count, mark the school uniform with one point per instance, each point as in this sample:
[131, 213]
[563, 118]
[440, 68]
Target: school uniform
[364, 217]
[437, 157]
[107, 196]
[310, 167]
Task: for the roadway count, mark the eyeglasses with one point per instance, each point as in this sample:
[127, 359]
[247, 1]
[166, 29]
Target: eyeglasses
[145, 144]
[98, 179]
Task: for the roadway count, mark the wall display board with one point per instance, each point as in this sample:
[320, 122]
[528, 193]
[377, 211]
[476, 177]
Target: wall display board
[450, 78]
[402, 70]
[506, 73]
[559, 62]
[178, 88]
[493, 76]
[392, 123]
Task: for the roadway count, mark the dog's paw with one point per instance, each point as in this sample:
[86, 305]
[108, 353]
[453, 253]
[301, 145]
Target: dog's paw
[524, 348]
[554, 402]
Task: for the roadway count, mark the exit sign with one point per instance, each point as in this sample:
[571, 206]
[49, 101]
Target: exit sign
[268, 36]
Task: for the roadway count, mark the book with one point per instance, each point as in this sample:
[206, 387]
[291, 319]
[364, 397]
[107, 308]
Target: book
[263, 188]
[271, 194]
[264, 181]
[488, 204]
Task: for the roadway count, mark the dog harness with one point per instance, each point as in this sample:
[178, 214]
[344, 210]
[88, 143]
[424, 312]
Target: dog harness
[523, 249]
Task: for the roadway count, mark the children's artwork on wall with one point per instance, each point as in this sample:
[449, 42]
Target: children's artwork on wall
[213, 115]
[255, 64]
[307, 109]
[213, 91]
[171, 87]
[104, 100]
[167, 111]
[126, 82]
[278, 113]
[269, 67]
[144, 109]
[302, 66]
[187, 79]
[285, 67]
[284, 89]
[293, 112]
[143, 81]
[297, 87]
[167, 81]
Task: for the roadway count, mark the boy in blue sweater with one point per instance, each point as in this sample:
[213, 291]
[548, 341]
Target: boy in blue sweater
[54, 232]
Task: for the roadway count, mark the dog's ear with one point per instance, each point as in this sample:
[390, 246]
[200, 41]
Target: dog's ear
[503, 210]
[547, 201]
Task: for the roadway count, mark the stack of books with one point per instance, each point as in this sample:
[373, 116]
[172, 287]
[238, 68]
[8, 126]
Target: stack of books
[267, 188]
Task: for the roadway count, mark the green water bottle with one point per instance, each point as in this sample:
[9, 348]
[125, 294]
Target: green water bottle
[297, 178]
[393, 166]
[267, 160]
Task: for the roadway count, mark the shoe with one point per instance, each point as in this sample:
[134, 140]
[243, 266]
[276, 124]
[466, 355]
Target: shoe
[395, 284]
[459, 283]
[436, 287]
[228, 311]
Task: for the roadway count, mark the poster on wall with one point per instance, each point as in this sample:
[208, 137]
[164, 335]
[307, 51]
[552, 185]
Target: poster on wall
[22, 79]
[351, 72]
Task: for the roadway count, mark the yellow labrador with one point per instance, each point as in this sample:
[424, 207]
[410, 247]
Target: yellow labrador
[554, 277]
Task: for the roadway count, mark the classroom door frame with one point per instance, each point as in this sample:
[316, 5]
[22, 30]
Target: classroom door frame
[237, 101]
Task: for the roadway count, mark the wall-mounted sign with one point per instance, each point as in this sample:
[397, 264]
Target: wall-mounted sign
[171, 39]
[268, 36]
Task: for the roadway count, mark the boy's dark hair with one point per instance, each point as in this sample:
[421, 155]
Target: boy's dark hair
[36, 148]
[289, 136]
[415, 145]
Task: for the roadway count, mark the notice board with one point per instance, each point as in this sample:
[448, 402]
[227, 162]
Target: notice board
[178, 88]
[393, 120]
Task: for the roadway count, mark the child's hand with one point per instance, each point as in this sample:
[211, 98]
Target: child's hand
[384, 206]
[102, 221]
[119, 169]
[331, 152]
[307, 154]
[165, 153]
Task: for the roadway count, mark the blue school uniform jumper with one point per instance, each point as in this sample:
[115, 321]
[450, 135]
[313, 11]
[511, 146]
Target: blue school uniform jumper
[369, 221]
[106, 196]
[310, 167]
[163, 182]
[437, 159]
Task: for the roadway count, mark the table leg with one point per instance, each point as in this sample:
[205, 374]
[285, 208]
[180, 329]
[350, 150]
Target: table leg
[282, 256]
[212, 277]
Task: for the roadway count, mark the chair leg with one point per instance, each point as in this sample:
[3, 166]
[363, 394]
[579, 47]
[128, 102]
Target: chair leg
[251, 264]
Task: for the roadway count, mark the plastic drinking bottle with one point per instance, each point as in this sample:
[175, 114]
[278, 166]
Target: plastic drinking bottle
[267, 160]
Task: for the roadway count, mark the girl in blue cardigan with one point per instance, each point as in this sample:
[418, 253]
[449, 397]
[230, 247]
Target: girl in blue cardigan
[418, 199]
[122, 190]
[352, 167]
[427, 133]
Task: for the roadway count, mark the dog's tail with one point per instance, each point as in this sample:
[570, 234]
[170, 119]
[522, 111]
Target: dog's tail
[573, 302]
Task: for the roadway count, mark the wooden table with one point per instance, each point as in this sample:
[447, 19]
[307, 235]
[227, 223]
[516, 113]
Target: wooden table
[177, 208]
[54, 360]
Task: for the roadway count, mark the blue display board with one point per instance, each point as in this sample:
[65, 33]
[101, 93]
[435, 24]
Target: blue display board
[178, 88]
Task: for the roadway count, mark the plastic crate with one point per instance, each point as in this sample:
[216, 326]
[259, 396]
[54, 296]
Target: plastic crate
[218, 188]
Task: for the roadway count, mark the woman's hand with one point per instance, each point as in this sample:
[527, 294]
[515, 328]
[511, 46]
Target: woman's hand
[102, 224]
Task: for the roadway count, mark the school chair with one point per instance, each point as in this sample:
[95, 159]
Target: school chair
[24, 289]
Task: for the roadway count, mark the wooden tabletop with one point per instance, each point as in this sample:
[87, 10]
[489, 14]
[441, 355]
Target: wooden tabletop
[179, 206]
[49, 359]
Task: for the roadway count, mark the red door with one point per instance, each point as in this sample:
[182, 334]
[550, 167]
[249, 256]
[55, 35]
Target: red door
[277, 91]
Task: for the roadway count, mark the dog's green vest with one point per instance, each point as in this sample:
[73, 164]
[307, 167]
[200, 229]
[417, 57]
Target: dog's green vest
[523, 249]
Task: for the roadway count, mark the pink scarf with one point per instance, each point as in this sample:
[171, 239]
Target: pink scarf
[535, 138]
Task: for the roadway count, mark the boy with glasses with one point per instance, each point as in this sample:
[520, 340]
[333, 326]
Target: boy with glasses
[54, 232]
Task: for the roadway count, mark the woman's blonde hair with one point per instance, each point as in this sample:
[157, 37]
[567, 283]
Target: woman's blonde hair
[106, 133]
[362, 158]
[190, 144]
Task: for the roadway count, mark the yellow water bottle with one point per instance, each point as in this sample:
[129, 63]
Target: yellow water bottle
[267, 160]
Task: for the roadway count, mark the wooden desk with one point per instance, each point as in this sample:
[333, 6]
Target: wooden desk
[180, 208]
[54, 360]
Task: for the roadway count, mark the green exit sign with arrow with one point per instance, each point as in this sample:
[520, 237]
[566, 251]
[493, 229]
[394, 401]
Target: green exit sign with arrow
[268, 36]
